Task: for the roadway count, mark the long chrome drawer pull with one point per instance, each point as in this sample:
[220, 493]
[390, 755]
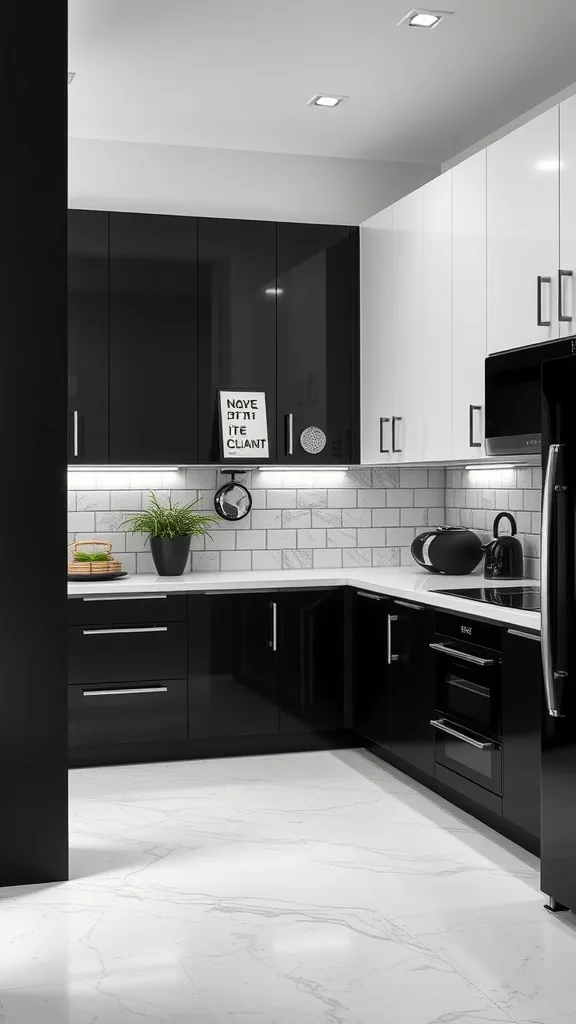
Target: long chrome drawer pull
[454, 652]
[131, 629]
[134, 689]
[373, 597]
[526, 636]
[439, 723]
[127, 597]
[407, 604]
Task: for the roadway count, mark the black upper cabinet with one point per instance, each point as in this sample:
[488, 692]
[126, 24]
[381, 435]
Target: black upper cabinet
[412, 686]
[233, 683]
[522, 691]
[236, 323]
[153, 339]
[317, 343]
[88, 246]
[371, 675]
[311, 640]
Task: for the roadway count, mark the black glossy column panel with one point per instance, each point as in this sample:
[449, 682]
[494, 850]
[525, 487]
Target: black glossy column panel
[33, 758]
[312, 660]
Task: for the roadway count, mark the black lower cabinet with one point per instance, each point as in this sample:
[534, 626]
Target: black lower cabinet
[116, 713]
[311, 662]
[371, 674]
[412, 686]
[233, 678]
[522, 692]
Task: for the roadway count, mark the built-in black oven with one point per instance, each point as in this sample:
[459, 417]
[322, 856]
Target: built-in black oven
[467, 723]
[513, 419]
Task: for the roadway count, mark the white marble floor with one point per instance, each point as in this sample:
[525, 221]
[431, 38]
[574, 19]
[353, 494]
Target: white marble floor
[319, 888]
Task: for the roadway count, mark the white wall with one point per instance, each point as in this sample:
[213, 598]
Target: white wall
[138, 177]
[552, 101]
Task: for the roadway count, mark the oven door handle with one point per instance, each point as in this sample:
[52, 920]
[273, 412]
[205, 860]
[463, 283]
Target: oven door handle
[463, 655]
[439, 723]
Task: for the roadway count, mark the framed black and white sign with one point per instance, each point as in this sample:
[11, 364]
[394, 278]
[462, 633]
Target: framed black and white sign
[244, 425]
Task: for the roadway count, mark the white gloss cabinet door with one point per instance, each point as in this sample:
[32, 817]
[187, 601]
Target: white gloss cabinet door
[522, 235]
[567, 269]
[406, 437]
[468, 306]
[376, 348]
[435, 341]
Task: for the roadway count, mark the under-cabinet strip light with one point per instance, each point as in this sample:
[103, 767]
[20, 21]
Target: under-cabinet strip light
[487, 468]
[123, 469]
[310, 468]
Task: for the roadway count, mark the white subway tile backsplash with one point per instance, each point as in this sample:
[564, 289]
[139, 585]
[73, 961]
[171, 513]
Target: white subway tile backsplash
[382, 477]
[232, 561]
[281, 498]
[281, 539]
[437, 477]
[339, 498]
[221, 540]
[323, 518]
[359, 478]
[341, 538]
[399, 536]
[414, 517]
[126, 501]
[356, 557]
[110, 522]
[137, 542]
[401, 498]
[296, 519]
[266, 519]
[205, 561]
[516, 499]
[524, 478]
[429, 497]
[92, 501]
[436, 516]
[145, 562]
[357, 517]
[413, 478]
[386, 557]
[81, 521]
[327, 558]
[386, 516]
[373, 538]
[200, 479]
[532, 501]
[249, 539]
[296, 559]
[375, 498]
[311, 538]
[267, 560]
[71, 501]
[312, 499]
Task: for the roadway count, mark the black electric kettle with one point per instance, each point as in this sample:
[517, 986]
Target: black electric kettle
[504, 558]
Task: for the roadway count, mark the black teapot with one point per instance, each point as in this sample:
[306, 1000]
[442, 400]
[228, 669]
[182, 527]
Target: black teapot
[504, 558]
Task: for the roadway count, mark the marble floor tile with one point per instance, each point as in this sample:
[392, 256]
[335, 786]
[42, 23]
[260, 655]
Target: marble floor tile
[289, 889]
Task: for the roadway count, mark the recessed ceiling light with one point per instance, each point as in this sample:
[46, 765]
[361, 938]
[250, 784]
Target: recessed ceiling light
[323, 100]
[70, 76]
[419, 18]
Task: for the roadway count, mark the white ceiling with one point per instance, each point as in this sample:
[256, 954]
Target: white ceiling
[236, 74]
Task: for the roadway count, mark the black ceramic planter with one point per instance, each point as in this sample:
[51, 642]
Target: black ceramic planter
[170, 554]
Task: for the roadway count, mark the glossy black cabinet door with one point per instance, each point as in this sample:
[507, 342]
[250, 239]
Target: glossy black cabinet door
[317, 344]
[153, 339]
[88, 244]
[233, 683]
[312, 661]
[236, 323]
[371, 671]
[412, 686]
[522, 691]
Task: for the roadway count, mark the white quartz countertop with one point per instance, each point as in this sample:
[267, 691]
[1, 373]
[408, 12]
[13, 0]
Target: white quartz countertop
[409, 583]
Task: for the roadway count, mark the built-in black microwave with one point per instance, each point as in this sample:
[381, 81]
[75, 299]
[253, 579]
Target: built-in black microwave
[513, 419]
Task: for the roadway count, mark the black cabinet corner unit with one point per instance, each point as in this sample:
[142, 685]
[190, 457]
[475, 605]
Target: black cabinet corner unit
[165, 311]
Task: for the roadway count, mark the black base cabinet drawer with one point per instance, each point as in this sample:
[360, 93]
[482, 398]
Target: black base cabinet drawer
[113, 713]
[105, 654]
[111, 609]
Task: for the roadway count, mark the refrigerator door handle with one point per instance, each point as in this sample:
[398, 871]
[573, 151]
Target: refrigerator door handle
[552, 699]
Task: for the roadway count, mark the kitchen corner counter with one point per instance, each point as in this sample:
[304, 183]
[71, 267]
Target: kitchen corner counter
[405, 583]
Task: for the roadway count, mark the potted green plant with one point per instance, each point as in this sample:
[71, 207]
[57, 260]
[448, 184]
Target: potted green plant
[170, 528]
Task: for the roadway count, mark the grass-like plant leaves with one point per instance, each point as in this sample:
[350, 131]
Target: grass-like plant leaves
[92, 556]
[171, 520]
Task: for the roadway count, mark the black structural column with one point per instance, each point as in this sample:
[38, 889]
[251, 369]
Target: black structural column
[33, 767]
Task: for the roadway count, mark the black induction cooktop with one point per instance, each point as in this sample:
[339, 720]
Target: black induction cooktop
[526, 598]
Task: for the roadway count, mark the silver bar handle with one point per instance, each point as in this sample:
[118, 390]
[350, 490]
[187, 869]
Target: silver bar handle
[395, 420]
[75, 434]
[525, 636]
[274, 640]
[408, 604]
[383, 420]
[391, 657]
[546, 630]
[130, 629]
[454, 652]
[471, 442]
[133, 689]
[439, 723]
[373, 597]
[290, 434]
[127, 597]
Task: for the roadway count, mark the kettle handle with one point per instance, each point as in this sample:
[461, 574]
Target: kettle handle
[511, 520]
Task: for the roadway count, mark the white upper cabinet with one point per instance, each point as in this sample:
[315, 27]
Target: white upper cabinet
[376, 295]
[567, 271]
[435, 341]
[468, 306]
[406, 432]
[522, 235]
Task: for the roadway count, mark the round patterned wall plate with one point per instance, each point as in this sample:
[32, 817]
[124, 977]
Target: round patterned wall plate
[313, 440]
